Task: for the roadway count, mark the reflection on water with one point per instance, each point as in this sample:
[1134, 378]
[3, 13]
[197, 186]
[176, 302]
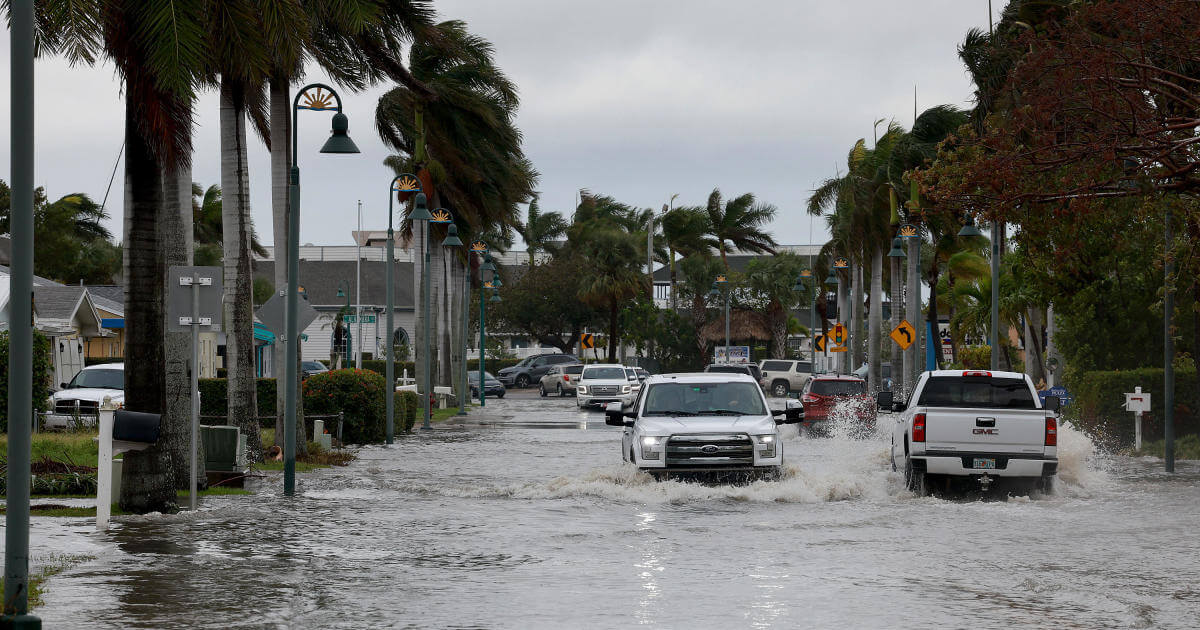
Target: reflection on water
[504, 524]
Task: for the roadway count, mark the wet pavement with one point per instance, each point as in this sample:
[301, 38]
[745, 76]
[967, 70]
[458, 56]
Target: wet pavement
[524, 516]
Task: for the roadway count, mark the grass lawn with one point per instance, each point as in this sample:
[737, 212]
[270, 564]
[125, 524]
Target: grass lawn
[55, 564]
[79, 449]
[1186, 447]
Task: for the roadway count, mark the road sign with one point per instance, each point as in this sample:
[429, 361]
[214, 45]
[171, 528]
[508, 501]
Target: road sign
[586, 341]
[273, 314]
[820, 342]
[353, 319]
[732, 354]
[904, 334]
[179, 296]
[839, 349]
[838, 334]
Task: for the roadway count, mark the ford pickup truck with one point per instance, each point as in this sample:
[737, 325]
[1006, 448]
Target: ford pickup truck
[975, 426]
[702, 423]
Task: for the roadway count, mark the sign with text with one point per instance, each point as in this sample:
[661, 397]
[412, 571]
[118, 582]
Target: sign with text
[732, 354]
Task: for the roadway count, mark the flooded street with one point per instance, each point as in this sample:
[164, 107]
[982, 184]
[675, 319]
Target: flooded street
[525, 517]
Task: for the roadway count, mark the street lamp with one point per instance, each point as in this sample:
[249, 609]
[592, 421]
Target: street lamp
[402, 183]
[802, 281]
[481, 248]
[348, 342]
[439, 215]
[968, 229]
[452, 240]
[317, 97]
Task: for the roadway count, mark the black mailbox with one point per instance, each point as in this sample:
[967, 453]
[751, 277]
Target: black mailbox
[135, 426]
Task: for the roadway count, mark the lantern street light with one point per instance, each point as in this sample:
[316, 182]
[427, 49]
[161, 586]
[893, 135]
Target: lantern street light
[402, 183]
[316, 97]
[487, 266]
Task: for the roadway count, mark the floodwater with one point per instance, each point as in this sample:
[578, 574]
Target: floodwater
[525, 517]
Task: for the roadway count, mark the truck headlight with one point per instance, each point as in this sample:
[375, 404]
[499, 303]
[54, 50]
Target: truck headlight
[650, 447]
[582, 389]
[625, 389]
[766, 445]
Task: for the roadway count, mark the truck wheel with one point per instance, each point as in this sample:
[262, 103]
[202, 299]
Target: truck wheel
[542, 390]
[522, 381]
[915, 480]
[779, 389]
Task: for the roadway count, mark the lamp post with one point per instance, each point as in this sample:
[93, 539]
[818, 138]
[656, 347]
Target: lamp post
[338, 142]
[439, 215]
[912, 310]
[452, 240]
[345, 329]
[20, 378]
[843, 296]
[487, 266]
[402, 183]
[896, 255]
[802, 283]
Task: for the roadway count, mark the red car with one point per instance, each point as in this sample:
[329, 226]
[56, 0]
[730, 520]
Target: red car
[823, 394]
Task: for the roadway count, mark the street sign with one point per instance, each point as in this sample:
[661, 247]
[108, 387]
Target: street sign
[839, 334]
[839, 349]
[179, 296]
[273, 314]
[820, 342]
[904, 334]
[586, 341]
[353, 319]
[732, 354]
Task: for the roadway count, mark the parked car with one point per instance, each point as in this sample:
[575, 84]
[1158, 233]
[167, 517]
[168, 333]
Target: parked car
[491, 386]
[781, 377]
[885, 373]
[736, 368]
[600, 384]
[714, 422]
[560, 379]
[308, 368]
[825, 393]
[642, 373]
[78, 402]
[531, 369]
[974, 426]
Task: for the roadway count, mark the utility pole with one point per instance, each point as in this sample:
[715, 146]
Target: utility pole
[358, 290]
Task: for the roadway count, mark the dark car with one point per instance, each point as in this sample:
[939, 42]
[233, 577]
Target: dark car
[885, 373]
[308, 368]
[491, 386]
[736, 368]
[824, 395]
[531, 369]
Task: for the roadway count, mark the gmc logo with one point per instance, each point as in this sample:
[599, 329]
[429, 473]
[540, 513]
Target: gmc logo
[986, 431]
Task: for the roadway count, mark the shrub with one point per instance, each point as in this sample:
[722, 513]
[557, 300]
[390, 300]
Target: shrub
[41, 369]
[492, 365]
[1099, 399]
[214, 400]
[406, 408]
[357, 393]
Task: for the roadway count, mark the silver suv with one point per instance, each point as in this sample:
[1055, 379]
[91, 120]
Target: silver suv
[781, 377]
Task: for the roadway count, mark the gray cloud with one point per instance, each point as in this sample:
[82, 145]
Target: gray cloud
[639, 100]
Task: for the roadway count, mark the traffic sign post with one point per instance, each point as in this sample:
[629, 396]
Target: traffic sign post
[819, 342]
[839, 334]
[194, 300]
[586, 341]
[904, 334]
[1139, 403]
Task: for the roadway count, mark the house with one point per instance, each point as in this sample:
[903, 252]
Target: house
[110, 303]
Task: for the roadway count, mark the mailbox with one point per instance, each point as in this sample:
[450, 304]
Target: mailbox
[135, 426]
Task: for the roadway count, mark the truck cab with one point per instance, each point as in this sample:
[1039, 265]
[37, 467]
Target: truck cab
[974, 426]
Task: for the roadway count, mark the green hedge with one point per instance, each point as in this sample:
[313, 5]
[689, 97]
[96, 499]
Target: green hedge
[380, 365]
[1099, 399]
[492, 365]
[357, 393]
[406, 408]
[214, 399]
[41, 375]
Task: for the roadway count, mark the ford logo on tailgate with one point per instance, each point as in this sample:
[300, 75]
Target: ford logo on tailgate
[709, 449]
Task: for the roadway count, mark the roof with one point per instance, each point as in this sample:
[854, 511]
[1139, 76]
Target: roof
[699, 377]
[836, 377]
[743, 325]
[320, 280]
[57, 302]
[110, 297]
[992, 373]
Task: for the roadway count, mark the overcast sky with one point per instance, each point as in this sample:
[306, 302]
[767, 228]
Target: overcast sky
[631, 98]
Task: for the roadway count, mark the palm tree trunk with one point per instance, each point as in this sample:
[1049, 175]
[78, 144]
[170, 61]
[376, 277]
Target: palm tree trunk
[840, 357]
[914, 361]
[779, 326]
[175, 232]
[418, 344]
[239, 295]
[875, 327]
[934, 273]
[897, 280]
[856, 330]
[148, 477]
[612, 331]
[671, 261]
[446, 319]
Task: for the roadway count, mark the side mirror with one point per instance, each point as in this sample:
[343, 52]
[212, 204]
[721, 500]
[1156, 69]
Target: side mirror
[614, 415]
[884, 400]
[1053, 403]
[899, 406]
[62, 385]
[792, 413]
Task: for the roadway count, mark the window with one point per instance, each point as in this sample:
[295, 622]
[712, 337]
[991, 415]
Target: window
[839, 388]
[564, 358]
[777, 366]
[573, 369]
[704, 398]
[104, 379]
[614, 373]
[974, 391]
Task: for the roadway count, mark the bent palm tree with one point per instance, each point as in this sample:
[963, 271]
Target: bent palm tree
[739, 223]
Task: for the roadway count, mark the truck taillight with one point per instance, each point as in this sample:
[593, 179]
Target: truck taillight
[976, 373]
[567, 377]
[1051, 432]
[918, 431]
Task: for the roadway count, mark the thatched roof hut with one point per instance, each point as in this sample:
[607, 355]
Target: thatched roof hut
[744, 325]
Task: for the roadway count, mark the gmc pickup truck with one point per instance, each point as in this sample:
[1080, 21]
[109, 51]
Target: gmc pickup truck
[975, 426]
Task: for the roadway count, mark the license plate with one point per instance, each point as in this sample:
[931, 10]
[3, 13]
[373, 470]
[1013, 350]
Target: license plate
[985, 463]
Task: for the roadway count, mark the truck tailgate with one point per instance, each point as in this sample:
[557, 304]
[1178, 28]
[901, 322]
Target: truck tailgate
[985, 430]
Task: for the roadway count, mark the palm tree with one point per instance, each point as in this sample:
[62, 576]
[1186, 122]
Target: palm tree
[540, 230]
[613, 276]
[739, 223]
[771, 280]
[684, 229]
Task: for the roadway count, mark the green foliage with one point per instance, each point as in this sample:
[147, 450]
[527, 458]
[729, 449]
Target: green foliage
[357, 393]
[1187, 447]
[1099, 396]
[544, 303]
[662, 335]
[214, 400]
[406, 404]
[70, 241]
[264, 289]
[41, 375]
[492, 365]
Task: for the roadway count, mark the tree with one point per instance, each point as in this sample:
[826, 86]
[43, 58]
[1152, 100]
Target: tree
[544, 303]
[771, 281]
[611, 276]
[739, 223]
[71, 244]
[540, 230]
[684, 230]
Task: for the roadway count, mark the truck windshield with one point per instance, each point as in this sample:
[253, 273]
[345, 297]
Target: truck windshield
[605, 373]
[839, 388]
[698, 399]
[966, 391]
[103, 379]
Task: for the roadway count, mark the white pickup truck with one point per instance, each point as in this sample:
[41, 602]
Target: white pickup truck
[975, 426]
[702, 423]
